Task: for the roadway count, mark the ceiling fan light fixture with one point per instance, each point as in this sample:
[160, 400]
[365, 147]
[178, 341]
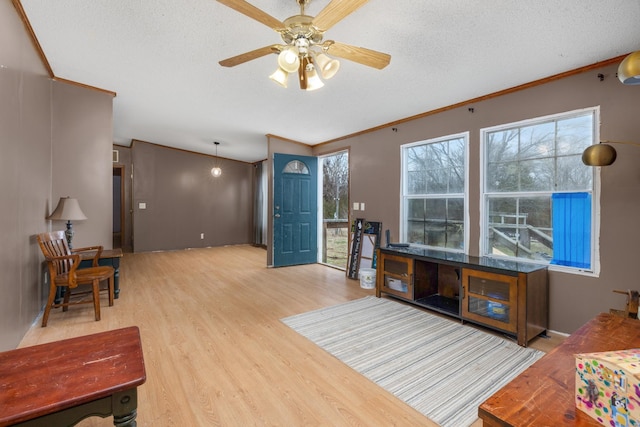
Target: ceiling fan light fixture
[302, 73]
[328, 66]
[289, 59]
[280, 76]
[629, 69]
[313, 80]
[303, 43]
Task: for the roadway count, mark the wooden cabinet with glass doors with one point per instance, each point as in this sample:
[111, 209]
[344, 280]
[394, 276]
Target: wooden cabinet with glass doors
[502, 295]
[490, 298]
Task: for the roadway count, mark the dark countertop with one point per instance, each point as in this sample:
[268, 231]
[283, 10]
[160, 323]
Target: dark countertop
[456, 258]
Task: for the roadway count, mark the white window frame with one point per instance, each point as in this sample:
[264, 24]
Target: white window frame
[404, 186]
[595, 194]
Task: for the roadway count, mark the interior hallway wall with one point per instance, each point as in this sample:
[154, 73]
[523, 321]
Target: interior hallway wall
[53, 137]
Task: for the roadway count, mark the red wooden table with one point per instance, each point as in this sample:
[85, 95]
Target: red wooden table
[544, 394]
[60, 383]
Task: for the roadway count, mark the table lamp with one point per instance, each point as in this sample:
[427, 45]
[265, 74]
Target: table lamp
[68, 210]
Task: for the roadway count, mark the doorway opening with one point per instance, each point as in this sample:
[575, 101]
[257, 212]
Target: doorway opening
[335, 209]
[118, 207]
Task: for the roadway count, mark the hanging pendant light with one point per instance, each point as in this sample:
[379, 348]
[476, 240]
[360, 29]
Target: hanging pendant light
[603, 154]
[629, 69]
[216, 171]
[599, 155]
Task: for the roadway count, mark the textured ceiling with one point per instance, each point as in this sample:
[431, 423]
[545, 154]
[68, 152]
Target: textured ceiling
[161, 58]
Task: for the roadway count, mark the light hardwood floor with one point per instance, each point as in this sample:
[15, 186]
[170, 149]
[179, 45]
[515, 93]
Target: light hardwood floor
[216, 353]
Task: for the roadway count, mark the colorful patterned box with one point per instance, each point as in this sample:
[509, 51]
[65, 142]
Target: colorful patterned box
[608, 387]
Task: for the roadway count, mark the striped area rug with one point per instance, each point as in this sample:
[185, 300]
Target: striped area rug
[440, 367]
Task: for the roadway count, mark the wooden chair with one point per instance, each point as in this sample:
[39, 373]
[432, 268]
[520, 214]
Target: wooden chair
[631, 309]
[65, 273]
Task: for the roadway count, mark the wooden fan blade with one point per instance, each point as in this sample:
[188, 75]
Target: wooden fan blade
[254, 13]
[249, 56]
[360, 55]
[334, 12]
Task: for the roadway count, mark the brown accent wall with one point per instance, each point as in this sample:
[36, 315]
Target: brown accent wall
[52, 139]
[574, 299]
[25, 172]
[82, 137]
[183, 200]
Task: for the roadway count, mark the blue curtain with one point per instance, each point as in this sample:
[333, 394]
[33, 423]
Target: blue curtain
[571, 229]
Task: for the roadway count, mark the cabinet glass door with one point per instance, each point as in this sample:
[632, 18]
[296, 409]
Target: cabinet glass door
[490, 298]
[397, 275]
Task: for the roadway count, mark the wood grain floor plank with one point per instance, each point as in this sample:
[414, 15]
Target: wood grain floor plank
[216, 352]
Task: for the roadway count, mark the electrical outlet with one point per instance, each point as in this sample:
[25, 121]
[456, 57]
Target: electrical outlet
[201, 236]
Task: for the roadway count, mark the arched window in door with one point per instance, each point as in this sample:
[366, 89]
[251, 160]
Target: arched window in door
[296, 166]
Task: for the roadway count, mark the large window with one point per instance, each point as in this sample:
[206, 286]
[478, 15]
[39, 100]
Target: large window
[537, 202]
[433, 192]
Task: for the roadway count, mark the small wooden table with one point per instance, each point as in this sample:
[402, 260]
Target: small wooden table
[61, 383]
[543, 395]
[110, 257]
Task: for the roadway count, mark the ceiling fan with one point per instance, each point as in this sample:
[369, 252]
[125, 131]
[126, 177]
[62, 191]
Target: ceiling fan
[304, 49]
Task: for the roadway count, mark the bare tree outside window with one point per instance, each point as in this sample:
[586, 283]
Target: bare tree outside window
[434, 200]
[335, 208]
[524, 166]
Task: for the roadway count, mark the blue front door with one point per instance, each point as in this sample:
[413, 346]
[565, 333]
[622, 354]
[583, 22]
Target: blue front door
[295, 200]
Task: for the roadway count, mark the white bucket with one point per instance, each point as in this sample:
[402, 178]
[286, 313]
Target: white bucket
[368, 278]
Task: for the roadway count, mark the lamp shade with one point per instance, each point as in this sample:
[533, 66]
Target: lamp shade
[68, 209]
[599, 155]
[289, 60]
[313, 81]
[629, 69]
[328, 67]
[280, 76]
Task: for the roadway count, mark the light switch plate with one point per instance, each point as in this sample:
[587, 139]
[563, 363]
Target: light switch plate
[356, 206]
[362, 206]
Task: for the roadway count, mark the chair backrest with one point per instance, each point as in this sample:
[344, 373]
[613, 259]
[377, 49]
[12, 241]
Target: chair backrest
[54, 244]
